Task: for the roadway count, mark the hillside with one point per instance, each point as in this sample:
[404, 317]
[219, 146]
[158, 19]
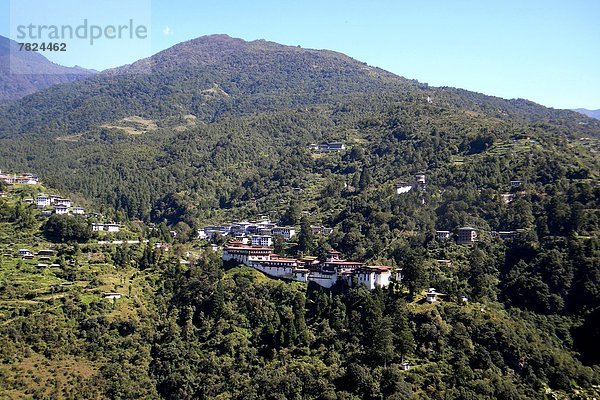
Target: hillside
[217, 129]
[26, 72]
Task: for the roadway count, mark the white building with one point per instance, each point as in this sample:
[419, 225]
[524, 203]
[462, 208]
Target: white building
[42, 201]
[262, 240]
[77, 211]
[60, 210]
[321, 230]
[431, 295]
[62, 202]
[374, 276]
[287, 232]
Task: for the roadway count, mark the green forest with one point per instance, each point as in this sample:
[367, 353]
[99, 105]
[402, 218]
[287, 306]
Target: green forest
[217, 132]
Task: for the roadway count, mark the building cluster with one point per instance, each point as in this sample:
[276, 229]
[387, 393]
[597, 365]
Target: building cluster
[308, 269]
[61, 205]
[64, 206]
[469, 235]
[326, 147]
[26, 179]
[256, 233]
[44, 257]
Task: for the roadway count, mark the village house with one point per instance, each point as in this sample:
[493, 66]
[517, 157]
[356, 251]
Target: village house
[77, 211]
[515, 184]
[42, 201]
[25, 252]
[287, 232]
[442, 235]
[321, 230]
[466, 235]
[60, 210]
[431, 295]
[506, 234]
[62, 202]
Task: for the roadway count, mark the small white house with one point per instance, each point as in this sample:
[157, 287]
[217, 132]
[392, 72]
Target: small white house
[287, 232]
[111, 296]
[431, 295]
[60, 210]
[77, 211]
[25, 252]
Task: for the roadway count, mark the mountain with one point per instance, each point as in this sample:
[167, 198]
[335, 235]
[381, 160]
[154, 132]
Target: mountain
[590, 113]
[26, 72]
[214, 76]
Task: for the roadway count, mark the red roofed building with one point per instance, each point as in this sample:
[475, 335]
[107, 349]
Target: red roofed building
[325, 274]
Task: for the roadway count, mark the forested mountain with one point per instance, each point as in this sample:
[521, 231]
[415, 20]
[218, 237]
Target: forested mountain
[26, 72]
[216, 129]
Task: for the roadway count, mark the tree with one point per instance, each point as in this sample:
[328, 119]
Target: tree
[306, 242]
[67, 228]
[292, 213]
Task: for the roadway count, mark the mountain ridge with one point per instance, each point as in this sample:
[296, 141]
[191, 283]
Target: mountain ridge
[590, 113]
[257, 76]
[26, 72]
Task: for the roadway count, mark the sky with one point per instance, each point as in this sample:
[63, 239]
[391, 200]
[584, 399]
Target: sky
[545, 51]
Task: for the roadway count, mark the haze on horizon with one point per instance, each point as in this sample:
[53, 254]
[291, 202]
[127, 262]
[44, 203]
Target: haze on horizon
[539, 50]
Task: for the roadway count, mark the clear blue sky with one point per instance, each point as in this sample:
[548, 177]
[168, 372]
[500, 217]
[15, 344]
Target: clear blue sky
[547, 51]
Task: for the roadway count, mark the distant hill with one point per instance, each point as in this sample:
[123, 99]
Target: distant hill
[590, 113]
[35, 72]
